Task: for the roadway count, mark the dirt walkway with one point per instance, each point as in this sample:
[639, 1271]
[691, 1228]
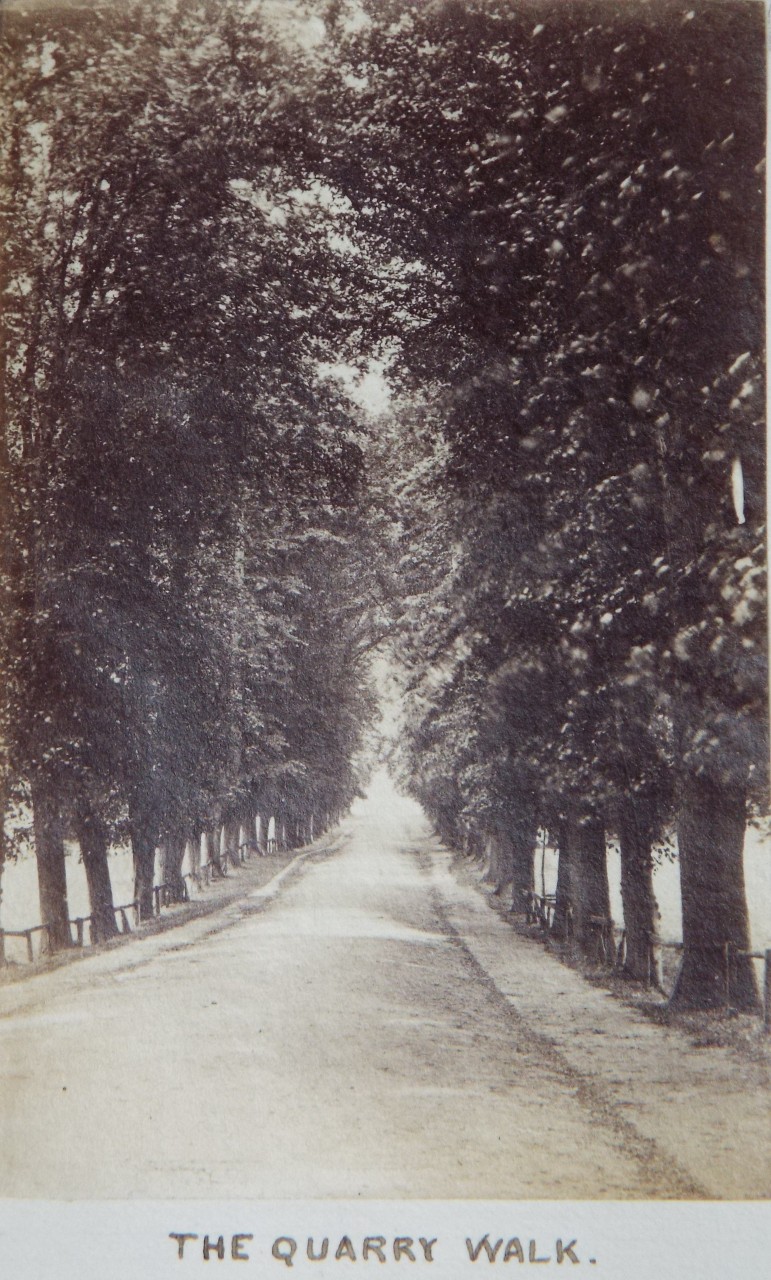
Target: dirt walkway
[707, 1109]
[372, 1029]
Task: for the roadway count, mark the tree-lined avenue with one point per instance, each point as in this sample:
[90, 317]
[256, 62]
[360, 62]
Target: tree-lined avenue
[368, 1032]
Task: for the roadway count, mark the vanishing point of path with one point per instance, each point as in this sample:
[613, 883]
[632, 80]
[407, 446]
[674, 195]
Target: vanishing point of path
[373, 1030]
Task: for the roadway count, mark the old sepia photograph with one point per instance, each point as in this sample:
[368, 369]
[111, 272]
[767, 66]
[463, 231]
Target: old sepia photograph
[384, 732]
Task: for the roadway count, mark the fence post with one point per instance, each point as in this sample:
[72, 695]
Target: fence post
[2, 946]
[30, 948]
[767, 994]
[79, 928]
[727, 959]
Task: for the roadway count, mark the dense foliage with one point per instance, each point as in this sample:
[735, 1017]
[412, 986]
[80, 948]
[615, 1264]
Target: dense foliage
[184, 485]
[582, 532]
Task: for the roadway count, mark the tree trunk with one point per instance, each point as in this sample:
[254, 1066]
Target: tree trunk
[493, 858]
[173, 857]
[243, 843]
[525, 837]
[215, 850]
[51, 870]
[478, 844]
[92, 838]
[230, 844]
[590, 890]
[639, 901]
[195, 851]
[710, 837]
[144, 840]
[562, 924]
[502, 848]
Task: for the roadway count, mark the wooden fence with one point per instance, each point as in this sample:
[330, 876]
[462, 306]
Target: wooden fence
[83, 931]
[163, 895]
[608, 946]
[79, 926]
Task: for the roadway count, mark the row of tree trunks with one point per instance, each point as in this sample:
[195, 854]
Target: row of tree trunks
[711, 830]
[224, 843]
[715, 970]
[582, 911]
[713, 973]
[51, 866]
